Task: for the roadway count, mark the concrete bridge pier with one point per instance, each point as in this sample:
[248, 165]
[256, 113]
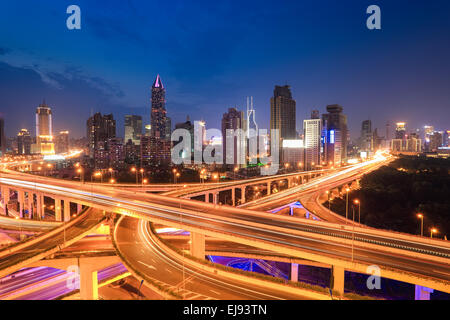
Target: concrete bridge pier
[30, 201]
[58, 215]
[197, 245]
[233, 196]
[39, 205]
[294, 272]
[88, 282]
[269, 188]
[242, 195]
[215, 197]
[66, 210]
[422, 293]
[338, 279]
[21, 201]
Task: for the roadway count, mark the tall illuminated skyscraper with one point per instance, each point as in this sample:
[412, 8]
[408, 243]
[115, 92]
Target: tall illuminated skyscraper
[312, 134]
[24, 142]
[160, 123]
[44, 131]
[335, 130]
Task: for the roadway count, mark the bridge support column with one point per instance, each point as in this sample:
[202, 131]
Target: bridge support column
[88, 283]
[233, 196]
[207, 197]
[30, 201]
[294, 272]
[21, 201]
[198, 245]
[79, 208]
[66, 210]
[338, 279]
[58, 216]
[39, 205]
[422, 293]
[5, 198]
[242, 195]
[215, 197]
[289, 182]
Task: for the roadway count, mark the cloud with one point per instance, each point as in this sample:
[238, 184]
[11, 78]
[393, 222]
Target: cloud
[4, 51]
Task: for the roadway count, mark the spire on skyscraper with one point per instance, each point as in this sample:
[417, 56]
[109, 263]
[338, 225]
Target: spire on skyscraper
[158, 83]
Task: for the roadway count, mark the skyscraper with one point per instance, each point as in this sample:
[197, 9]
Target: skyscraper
[161, 126]
[2, 137]
[283, 112]
[62, 142]
[334, 124]
[133, 128]
[312, 135]
[100, 128]
[160, 123]
[251, 117]
[234, 120]
[44, 133]
[24, 142]
[400, 130]
[366, 140]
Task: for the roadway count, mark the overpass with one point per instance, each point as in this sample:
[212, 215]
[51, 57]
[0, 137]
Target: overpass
[405, 258]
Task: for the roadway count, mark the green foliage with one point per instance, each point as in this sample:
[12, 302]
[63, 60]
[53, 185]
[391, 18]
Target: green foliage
[392, 195]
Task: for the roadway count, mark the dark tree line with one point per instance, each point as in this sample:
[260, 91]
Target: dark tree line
[392, 196]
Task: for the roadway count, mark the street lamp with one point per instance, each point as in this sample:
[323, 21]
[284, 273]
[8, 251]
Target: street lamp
[135, 171]
[433, 230]
[420, 216]
[346, 205]
[174, 171]
[359, 210]
[142, 175]
[81, 172]
[328, 194]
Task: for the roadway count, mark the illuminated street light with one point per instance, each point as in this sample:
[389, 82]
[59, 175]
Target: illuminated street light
[433, 230]
[356, 201]
[420, 216]
[346, 205]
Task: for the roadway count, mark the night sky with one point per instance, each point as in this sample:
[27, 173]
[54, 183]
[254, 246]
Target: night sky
[212, 54]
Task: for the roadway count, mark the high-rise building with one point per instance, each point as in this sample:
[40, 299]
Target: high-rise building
[234, 120]
[24, 142]
[133, 128]
[400, 130]
[2, 137]
[312, 129]
[189, 126]
[116, 153]
[62, 142]
[158, 118]
[283, 112]
[251, 117]
[44, 131]
[161, 126]
[100, 128]
[334, 135]
[436, 140]
[366, 139]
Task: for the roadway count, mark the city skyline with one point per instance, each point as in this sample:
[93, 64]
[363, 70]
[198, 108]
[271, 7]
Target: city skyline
[374, 75]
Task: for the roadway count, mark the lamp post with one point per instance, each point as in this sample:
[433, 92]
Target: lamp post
[142, 175]
[328, 194]
[174, 171]
[81, 172]
[134, 170]
[433, 230]
[346, 205]
[359, 210]
[420, 216]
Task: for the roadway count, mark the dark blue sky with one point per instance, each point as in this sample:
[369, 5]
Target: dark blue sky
[212, 54]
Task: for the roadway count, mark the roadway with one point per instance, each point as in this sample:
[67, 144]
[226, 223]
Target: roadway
[293, 237]
[134, 242]
[12, 259]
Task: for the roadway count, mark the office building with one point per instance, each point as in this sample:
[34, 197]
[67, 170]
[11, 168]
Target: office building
[312, 132]
[133, 128]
